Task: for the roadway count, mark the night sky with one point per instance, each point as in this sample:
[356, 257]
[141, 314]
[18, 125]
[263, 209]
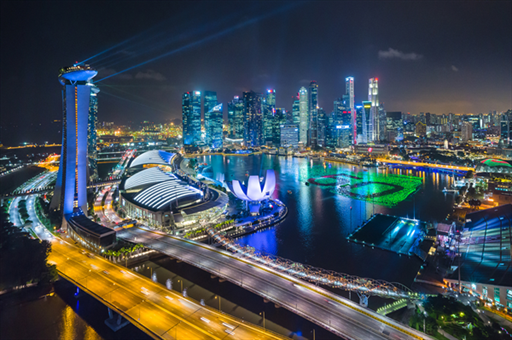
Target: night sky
[434, 56]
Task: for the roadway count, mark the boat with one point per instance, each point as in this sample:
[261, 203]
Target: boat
[273, 152]
[382, 167]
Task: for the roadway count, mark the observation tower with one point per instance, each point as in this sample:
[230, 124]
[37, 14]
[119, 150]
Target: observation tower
[70, 194]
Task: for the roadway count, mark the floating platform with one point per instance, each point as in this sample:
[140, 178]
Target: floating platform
[396, 234]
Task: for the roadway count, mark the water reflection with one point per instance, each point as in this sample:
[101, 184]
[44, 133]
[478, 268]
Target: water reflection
[319, 220]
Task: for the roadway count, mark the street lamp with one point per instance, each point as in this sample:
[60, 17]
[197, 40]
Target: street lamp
[216, 296]
[263, 319]
[181, 285]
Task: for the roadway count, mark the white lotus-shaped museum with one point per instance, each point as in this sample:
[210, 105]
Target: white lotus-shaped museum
[255, 191]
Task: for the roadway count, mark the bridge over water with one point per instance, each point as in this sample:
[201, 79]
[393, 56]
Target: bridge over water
[339, 315]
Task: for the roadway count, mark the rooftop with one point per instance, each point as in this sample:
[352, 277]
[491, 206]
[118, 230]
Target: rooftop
[486, 247]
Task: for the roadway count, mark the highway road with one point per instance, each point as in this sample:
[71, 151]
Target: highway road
[337, 314]
[40, 182]
[150, 306]
[162, 313]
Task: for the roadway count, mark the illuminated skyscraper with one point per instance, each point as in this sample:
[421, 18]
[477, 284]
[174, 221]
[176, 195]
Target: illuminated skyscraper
[268, 107]
[92, 134]
[373, 120]
[236, 118]
[196, 116]
[187, 118]
[304, 116]
[71, 187]
[313, 114]
[322, 121]
[296, 112]
[253, 119]
[215, 122]
[349, 91]
[210, 101]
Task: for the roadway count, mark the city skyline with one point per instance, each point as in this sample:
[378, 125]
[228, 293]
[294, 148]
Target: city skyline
[415, 77]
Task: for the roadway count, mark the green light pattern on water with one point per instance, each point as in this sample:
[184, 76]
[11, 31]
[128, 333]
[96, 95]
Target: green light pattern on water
[317, 171]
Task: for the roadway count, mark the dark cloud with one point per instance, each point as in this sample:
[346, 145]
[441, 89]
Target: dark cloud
[395, 54]
[150, 74]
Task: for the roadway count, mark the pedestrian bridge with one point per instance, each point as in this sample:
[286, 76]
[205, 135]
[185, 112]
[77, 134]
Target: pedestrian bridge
[50, 188]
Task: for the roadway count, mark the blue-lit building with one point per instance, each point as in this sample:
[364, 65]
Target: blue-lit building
[253, 119]
[268, 107]
[215, 122]
[191, 117]
[92, 134]
[484, 267]
[289, 135]
[279, 119]
[236, 118]
[71, 186]
[313, 114]
[295, 113]
[79, 103]
[210, 101]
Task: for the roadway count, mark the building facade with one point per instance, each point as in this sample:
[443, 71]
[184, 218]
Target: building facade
[71, 187]
[313, 114]
[210, 101]
[253, 118]
[236, 118]
[191, 117]
[289, 135]
[373, 97]
[92, 134]
[304, 116]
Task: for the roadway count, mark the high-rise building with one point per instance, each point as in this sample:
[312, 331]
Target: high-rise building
[296, 112]
[322, 117]
[279, 120]
[394, 126]
[421, 129]
[196, 114]
[313, 114]
[373, 119]
[70, 193]
[216, 120]
[330, 131]
[236, 118]
[304, 116]
[382, 124]
[210, 101]
[253, 135]
[92, 134]
[349, 91]
[506, 128]
[289, 135]
[466, 132]
[366, 121]
[428, 117]
[191, 119]
[360, 125]
[268, 107]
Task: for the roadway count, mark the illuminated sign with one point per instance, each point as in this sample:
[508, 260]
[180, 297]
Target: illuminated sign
[198, 93]
[370, 149]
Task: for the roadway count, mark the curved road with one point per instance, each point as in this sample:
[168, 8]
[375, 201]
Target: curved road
[337, 314]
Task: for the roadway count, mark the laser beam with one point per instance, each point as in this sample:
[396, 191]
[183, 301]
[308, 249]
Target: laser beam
[214, 36]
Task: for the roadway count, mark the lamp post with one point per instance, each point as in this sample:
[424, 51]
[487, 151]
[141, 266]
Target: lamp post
[263, 313]
[181, 285]
[216, 296]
